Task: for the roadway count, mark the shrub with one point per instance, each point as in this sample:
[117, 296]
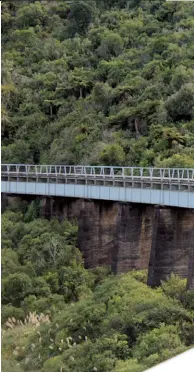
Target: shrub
[10, 366]
[15, 287]
[9, 311]
[174, 287]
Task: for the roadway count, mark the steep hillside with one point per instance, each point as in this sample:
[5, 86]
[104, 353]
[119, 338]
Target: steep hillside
[105, 81]
[90, 321]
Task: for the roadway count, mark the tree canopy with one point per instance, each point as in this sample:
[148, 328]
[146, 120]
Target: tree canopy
[56, 315]
[91, 82]
[88, 81]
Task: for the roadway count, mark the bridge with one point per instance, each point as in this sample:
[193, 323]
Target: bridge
[160, 186]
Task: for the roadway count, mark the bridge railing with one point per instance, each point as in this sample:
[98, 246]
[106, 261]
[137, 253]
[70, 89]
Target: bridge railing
[176, 174]
[160, 186]
[121, 172]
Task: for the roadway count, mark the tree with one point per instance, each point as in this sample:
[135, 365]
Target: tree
[180, 104]
[112, 154]
[46, 251]
[173, 136]
[9, 96]
[30, 15]
[102, 95]
[23, 39]
[15, 287]
[81, 79]
[9, 311]
[149, 351]
[17, 153]
[40, 287]
[119, 3]
[91, 82]
[111, 45]
[130, 365]
[33, 211]
[9, 262]
[52, 278]
[13, 229]
[80, 16]
[176, 161]
[73, 281]
[174, 287]
[74, 71]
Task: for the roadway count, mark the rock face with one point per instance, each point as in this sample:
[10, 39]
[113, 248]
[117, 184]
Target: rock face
[128, 236]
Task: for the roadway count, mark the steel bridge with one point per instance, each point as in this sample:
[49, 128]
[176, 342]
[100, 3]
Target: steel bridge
[160, 186]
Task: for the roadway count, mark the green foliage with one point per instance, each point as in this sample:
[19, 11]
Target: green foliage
[40, 263]
[80, 16]
[111, 45]
[9, 311]
[53, 365]
[181, 161]
[30, 15]
[9, 262]
[174, 287]
[15, 287]
[40, 287]
[45, 305]
[130, 365]
[75, 72]
[9, 366]
[17, 153]
[112, 154]
[180, 104]
[91, 82]
[110, 329]
[154, 346]
[33, 211]
[140, 275]
[52, 278]
[97, 321]
[188, 299]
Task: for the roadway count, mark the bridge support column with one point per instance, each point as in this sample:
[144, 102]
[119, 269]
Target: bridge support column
[109, 233]
[126, 236]
[190, 278]
[133, 236]
[172, 245]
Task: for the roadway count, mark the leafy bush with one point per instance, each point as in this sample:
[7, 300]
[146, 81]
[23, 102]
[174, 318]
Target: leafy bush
[156, 344]
[8, 311]
[174, 287]
[141, 275]
[15, 287]
[188, 299]
[10, 366]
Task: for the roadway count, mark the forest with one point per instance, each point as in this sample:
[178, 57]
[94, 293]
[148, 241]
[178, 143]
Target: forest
[59, 317]
[106, 82]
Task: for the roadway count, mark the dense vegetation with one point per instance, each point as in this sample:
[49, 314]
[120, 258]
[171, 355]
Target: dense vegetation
[91, 82]
[92, 320]
[98, 81]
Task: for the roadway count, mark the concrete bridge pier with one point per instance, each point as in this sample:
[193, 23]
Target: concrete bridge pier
[127, 236]
[172, 247]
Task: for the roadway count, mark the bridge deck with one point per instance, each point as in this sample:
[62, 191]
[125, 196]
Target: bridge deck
[173, 187]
